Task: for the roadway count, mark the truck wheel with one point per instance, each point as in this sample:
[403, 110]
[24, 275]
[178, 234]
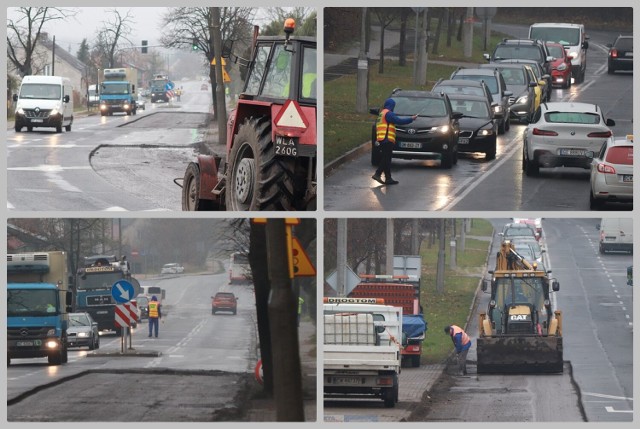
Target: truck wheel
[55, 359]
[191, 191]
[68, 128]
[257, 179]
[390, 394]
[59, 128]
[415, 361]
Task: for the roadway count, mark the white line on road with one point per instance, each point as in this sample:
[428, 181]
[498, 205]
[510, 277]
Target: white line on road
[602, 395]
[611, 410]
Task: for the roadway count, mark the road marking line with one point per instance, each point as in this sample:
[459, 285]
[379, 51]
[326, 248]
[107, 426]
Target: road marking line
[602, 395]
[611, 410]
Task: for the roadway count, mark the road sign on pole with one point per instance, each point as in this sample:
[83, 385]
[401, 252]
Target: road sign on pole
[122, 291]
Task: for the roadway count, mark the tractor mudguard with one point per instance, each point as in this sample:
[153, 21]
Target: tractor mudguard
[209, 166]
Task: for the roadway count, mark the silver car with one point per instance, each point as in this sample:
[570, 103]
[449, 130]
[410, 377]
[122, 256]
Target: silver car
[82, 331]
[564, 134]
[612, 173]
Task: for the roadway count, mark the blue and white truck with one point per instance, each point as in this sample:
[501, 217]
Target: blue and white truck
[118, 91]
[38, 306]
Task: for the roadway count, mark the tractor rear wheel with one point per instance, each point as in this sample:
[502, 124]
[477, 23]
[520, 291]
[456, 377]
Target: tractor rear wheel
[257, 179]
[191, 200]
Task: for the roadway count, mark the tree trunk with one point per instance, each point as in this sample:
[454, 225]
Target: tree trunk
[436, 40]
[381, 64]
[450, 26]
[262, 287]
[283, 305]
[402, 61]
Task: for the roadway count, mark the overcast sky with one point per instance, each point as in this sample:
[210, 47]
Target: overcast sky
[88, 20]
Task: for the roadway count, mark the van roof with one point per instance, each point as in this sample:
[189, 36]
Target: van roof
[45, 79]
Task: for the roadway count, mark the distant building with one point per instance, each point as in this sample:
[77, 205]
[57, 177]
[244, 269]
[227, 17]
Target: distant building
[62, 64]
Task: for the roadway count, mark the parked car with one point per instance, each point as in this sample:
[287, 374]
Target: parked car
[612, 173]
[433, 135]
[224, 301]
[620, 55]
[522, 83]
[172, 268]
[560, 66]
[497, 86]
[478, 126]
[563, 134]
[82, 331]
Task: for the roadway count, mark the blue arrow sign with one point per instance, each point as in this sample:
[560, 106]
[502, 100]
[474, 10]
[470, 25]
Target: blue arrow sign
[169, 85]
[122, 291]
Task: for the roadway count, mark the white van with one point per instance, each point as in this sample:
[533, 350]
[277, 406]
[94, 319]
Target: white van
[93, 97]
[616, 234]
[572, 37]
[44, 101]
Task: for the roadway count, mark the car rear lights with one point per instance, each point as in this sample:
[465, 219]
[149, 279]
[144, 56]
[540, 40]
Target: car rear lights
[613, 53]
[605, 168]
[539, 132]
[600, 134]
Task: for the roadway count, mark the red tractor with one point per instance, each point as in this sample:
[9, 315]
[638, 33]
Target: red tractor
[271, 135]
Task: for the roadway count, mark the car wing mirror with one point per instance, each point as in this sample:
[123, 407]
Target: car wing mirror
[610, 122]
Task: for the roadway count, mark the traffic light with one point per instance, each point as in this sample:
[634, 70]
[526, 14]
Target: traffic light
[144, 46]
[194, 44]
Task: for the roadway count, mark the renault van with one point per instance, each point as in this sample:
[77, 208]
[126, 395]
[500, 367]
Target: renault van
[572, 37]
[616, 234]
[44, 101]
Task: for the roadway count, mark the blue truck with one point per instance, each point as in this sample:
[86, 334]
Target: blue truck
[93, 288]
[38, 306]
[118, 91]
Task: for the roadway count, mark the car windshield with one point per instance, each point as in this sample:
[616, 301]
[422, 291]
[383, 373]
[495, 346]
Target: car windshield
[556, 51]
[40, 91]
[572, 118]
[99, 280]
[621, 155]
[466, 90]
[471, 108]
[564, 36]
[517, 52]
[513, 76]
[421, 106]
[116, 88]
[510, 232]
[224, 296]
[79, 320]
[520, 291]
[491, 81]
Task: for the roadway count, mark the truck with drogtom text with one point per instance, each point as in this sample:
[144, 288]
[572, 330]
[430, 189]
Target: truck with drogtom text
[361, 353]
[38, 306]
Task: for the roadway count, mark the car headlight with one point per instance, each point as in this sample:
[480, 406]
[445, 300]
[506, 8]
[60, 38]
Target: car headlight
[83, 334]
[53, 112]
[126, 105]
[103, 106]
[523, 100]
[573, 55]
[498, 109]
[20, 111]
[443, 129]
[485, 132]
[562, 67]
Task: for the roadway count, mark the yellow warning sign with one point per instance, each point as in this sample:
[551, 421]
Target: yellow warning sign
[302, 266]
[225, 76]
[213, 62]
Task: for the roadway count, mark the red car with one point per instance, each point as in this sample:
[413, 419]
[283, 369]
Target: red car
[224, 301]
[561, 66]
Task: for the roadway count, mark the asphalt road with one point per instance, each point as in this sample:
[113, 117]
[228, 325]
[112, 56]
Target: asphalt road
[498, 185]
[111, 163]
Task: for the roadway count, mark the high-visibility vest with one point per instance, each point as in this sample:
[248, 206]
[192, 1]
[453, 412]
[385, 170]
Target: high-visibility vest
[455, 330]
[384, 129]
[153, 308]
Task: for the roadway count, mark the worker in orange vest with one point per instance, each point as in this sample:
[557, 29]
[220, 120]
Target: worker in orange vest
[154, 315]
[462, 342]
[386, 139]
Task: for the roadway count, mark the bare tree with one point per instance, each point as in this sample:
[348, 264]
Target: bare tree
[24, 34]
[385, 16]
[305, 18]
[182, 26]
[114, 33]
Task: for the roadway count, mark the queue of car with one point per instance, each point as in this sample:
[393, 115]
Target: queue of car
[517, 84]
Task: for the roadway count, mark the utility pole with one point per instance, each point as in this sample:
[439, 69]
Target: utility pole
[283, 305]
[468, 35]
[390, 250]
[362, 96]
[415, 239]
[221, 108]
[441, 257]
[341, 253]
[53, 57]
